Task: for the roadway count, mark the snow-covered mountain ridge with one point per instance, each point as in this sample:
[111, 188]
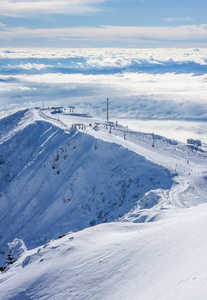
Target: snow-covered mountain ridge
[55, 180]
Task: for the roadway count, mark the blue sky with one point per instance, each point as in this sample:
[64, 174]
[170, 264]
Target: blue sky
[103, 23]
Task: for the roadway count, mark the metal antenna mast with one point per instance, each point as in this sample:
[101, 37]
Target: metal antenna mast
[107, 108]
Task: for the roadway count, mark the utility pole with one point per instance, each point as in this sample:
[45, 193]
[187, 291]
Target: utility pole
[107, 108]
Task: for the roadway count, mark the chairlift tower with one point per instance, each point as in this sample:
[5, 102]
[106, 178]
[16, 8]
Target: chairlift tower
[71, 108]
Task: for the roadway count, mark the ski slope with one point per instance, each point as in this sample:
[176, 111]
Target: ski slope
[189, 165]
[130, 217]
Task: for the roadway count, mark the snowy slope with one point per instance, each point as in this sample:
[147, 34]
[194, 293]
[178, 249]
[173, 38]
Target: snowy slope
[9, 125]
[55, 181]
[163, 260]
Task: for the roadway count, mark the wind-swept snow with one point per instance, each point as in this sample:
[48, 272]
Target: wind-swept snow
[158, 260]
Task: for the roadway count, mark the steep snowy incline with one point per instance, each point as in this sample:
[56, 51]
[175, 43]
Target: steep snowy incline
[163, 260]
[54, 182]
[10, 124]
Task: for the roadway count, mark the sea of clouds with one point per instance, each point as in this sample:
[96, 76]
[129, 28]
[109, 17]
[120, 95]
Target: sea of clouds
[153, 90]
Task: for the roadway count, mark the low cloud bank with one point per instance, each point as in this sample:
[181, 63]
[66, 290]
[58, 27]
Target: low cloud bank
[157, 84]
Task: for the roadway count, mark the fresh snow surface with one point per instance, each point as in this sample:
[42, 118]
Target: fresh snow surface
[55, 180]
[163, 260]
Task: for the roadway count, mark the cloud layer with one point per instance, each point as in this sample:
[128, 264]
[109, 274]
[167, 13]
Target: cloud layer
[112, 33]
[163, 85]
[30, 8]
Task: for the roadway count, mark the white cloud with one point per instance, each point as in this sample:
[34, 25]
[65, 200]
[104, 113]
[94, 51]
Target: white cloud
[30, 8]
[179, 87]
[133, 96]
[30, 66]
[178, 130]
[109, 62]
[118, 57]
[112, 33]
